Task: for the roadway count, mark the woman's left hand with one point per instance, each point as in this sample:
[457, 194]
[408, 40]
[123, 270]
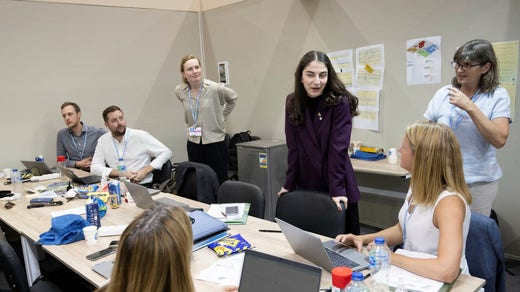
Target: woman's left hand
[337, 201]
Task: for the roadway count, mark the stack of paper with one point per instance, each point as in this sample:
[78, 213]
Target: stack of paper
[218, 211]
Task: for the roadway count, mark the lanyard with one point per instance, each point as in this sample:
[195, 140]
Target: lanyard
[194, 113]
[120, 157]
[406, 219]
[76, 146]
[459, 114]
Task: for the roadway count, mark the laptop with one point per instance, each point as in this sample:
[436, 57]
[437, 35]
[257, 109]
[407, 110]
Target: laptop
[37, 168]
[263, 272]
[143, 197]
[85, 180]
[327, 254]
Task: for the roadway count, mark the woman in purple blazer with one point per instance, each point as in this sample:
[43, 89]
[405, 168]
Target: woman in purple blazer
[318, 124]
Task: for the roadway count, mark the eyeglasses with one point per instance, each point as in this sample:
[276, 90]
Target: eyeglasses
[464, 67]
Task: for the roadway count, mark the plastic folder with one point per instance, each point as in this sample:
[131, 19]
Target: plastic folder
[204, 225]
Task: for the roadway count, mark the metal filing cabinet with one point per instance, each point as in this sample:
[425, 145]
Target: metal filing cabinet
[264, 163]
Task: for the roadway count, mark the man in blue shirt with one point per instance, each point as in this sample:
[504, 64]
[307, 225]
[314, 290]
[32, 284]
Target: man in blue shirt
[77, 141]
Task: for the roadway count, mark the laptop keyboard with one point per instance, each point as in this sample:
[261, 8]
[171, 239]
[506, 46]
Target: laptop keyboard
[340, 261]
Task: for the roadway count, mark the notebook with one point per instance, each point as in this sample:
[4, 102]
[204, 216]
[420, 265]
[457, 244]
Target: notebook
[263, 272]
[85, 180]
[327, 254]
[37, 167]
[142, 197]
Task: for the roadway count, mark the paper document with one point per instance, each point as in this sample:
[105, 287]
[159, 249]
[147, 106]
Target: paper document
[218, 211]
[226, 270]
[412, 282]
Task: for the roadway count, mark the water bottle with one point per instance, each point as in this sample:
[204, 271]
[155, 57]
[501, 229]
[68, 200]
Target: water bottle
[357, 285]
[16, 181]
[62, 162]
[341, 276]
[379, 262]
[121, 167]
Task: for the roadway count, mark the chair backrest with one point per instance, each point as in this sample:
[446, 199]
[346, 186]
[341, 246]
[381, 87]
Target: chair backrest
[196, 181]
[163, 174]
[485, 252]
[312, 211]
[12, 267]
[242, 192]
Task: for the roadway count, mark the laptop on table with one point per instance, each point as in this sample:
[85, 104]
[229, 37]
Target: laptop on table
[262, 272]
[143, 197]
[37, 168]
[85, 180]
[327, 254]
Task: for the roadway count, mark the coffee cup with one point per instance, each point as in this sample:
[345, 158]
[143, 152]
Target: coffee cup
[90, 233]
[392, 155]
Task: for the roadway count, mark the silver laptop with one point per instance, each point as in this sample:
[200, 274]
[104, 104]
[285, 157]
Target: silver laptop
[262, 272]
[143, 196]
[37, 167]
[84, 180]
[327, 254]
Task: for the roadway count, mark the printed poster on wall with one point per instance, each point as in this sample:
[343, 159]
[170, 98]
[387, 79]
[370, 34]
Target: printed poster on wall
[423, 61]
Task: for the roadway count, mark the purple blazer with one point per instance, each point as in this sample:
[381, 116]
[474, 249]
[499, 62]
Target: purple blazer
[318, 152]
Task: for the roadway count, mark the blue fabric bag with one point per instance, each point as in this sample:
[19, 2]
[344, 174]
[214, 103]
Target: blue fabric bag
[64, 229]
[368, 156]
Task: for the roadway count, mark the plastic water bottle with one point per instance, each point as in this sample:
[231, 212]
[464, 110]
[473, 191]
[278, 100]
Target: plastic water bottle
[121, 167]
[16, 181]
[379, 262]
[357, 285]
[341, 276]
[62, 162]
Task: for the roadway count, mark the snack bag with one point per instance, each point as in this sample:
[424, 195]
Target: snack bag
[229, 245]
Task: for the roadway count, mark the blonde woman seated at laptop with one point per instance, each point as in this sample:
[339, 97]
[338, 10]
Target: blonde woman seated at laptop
[435, 216]
[154, 253]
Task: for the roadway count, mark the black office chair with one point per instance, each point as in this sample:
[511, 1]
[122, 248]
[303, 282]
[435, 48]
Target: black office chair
[163, 174]
[485, 252]
[312, 211]
[242, 192]
[196, 181]
[14, 272]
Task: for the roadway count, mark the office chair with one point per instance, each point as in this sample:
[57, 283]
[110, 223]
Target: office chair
[163, 174]
[196, 181]
[242, 192]
[312, 211]
[485, 252]
[14, 271]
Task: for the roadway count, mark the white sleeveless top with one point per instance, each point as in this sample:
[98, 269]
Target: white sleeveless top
[421, 235]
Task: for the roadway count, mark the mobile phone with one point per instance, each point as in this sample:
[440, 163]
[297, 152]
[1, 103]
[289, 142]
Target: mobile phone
[113, 243]
[41, 200]
[231, 210]
[102, 253]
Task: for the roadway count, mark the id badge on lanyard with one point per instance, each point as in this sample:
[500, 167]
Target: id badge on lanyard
[195, 131]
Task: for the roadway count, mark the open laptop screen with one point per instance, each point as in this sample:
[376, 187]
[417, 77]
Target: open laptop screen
[263, 272]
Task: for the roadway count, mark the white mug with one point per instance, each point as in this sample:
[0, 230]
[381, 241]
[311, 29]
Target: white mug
[392, 156]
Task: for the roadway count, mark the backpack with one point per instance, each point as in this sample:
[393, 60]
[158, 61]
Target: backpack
[232, 148]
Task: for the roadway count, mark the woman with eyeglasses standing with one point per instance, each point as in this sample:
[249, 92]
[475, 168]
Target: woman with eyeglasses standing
[478, 110]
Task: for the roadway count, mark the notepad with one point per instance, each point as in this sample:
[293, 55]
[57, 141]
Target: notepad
[218, 210]
[412, 282]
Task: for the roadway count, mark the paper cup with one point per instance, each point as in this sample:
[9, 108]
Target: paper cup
[7, 172]
[90, 233]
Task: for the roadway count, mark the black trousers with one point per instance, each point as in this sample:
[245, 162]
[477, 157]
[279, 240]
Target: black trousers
[215, 155]
[352, 220]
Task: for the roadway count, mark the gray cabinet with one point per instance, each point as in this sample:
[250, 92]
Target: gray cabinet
[264, 163]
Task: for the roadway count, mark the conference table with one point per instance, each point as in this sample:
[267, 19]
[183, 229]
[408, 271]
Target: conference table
[30, 223]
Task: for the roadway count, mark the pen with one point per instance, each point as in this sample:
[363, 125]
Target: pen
[223, 214]
[270, 230]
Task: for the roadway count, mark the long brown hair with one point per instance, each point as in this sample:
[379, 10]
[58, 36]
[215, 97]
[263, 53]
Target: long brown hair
[154, 253]
[334, 91]
[437, 162]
